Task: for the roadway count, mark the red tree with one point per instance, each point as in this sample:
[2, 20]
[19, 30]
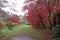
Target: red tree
[14, 19]
[40, 12]
[1, 26]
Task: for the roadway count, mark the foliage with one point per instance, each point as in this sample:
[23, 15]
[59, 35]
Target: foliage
[13, 19]
[1, 26]
[41, 12]
[10, 25]
[57, 34]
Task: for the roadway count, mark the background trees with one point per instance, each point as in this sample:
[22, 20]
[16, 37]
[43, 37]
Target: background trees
[8, 12]
[14, 19]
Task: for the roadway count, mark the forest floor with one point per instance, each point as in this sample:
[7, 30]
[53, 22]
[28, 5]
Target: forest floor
[26, 32]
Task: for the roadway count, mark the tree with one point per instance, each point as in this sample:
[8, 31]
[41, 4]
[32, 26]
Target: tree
[14, 19]
[1, 26]
[40, 12]
[52, 7]
[4, 4]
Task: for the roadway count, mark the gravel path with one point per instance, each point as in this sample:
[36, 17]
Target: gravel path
[22, 38]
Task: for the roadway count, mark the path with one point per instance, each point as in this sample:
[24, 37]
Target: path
[46, 33]
[22, 38]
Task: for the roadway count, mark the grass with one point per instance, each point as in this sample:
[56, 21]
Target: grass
[6, 33]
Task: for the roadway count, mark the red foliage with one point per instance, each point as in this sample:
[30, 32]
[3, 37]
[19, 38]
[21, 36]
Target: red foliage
[33, 18]
[39, 10]
[1, 26]
[14, 19]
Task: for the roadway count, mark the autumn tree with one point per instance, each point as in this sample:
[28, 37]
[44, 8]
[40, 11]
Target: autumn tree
[12, 21]
[52, 7]
[40, 12]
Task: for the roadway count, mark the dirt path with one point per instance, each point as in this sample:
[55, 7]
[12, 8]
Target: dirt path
[47, 34]
[25, 36]
[22, 38]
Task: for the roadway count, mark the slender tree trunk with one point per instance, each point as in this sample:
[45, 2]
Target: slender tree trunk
[41, 21]
[50, 21]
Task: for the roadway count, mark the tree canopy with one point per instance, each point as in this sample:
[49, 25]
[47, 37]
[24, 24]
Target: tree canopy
[41, 12]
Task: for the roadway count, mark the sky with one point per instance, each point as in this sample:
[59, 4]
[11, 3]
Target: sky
[16, 4]
[19, 7]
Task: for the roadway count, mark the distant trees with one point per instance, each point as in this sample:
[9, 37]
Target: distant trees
[14, 19]
[41, 12]
[7, 9]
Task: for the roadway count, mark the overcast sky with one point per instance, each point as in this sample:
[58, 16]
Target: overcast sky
[16, 4]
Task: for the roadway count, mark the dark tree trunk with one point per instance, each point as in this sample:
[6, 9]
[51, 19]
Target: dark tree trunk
[41, 21]
[54, 21]
[50, 21]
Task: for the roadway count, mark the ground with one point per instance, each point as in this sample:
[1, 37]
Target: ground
[25, 32]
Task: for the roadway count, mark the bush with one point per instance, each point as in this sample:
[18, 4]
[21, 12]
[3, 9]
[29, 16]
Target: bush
[10, 25]
[1, 26]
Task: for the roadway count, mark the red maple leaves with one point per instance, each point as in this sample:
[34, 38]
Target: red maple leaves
[14, 19]
[40, 11]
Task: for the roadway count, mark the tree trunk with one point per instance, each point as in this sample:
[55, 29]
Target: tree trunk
[49, 11]
[54, 21]
[41, 21]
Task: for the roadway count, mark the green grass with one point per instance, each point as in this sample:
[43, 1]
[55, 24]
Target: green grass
[6, 33]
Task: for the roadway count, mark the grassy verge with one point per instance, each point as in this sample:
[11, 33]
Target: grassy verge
[20, 30]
